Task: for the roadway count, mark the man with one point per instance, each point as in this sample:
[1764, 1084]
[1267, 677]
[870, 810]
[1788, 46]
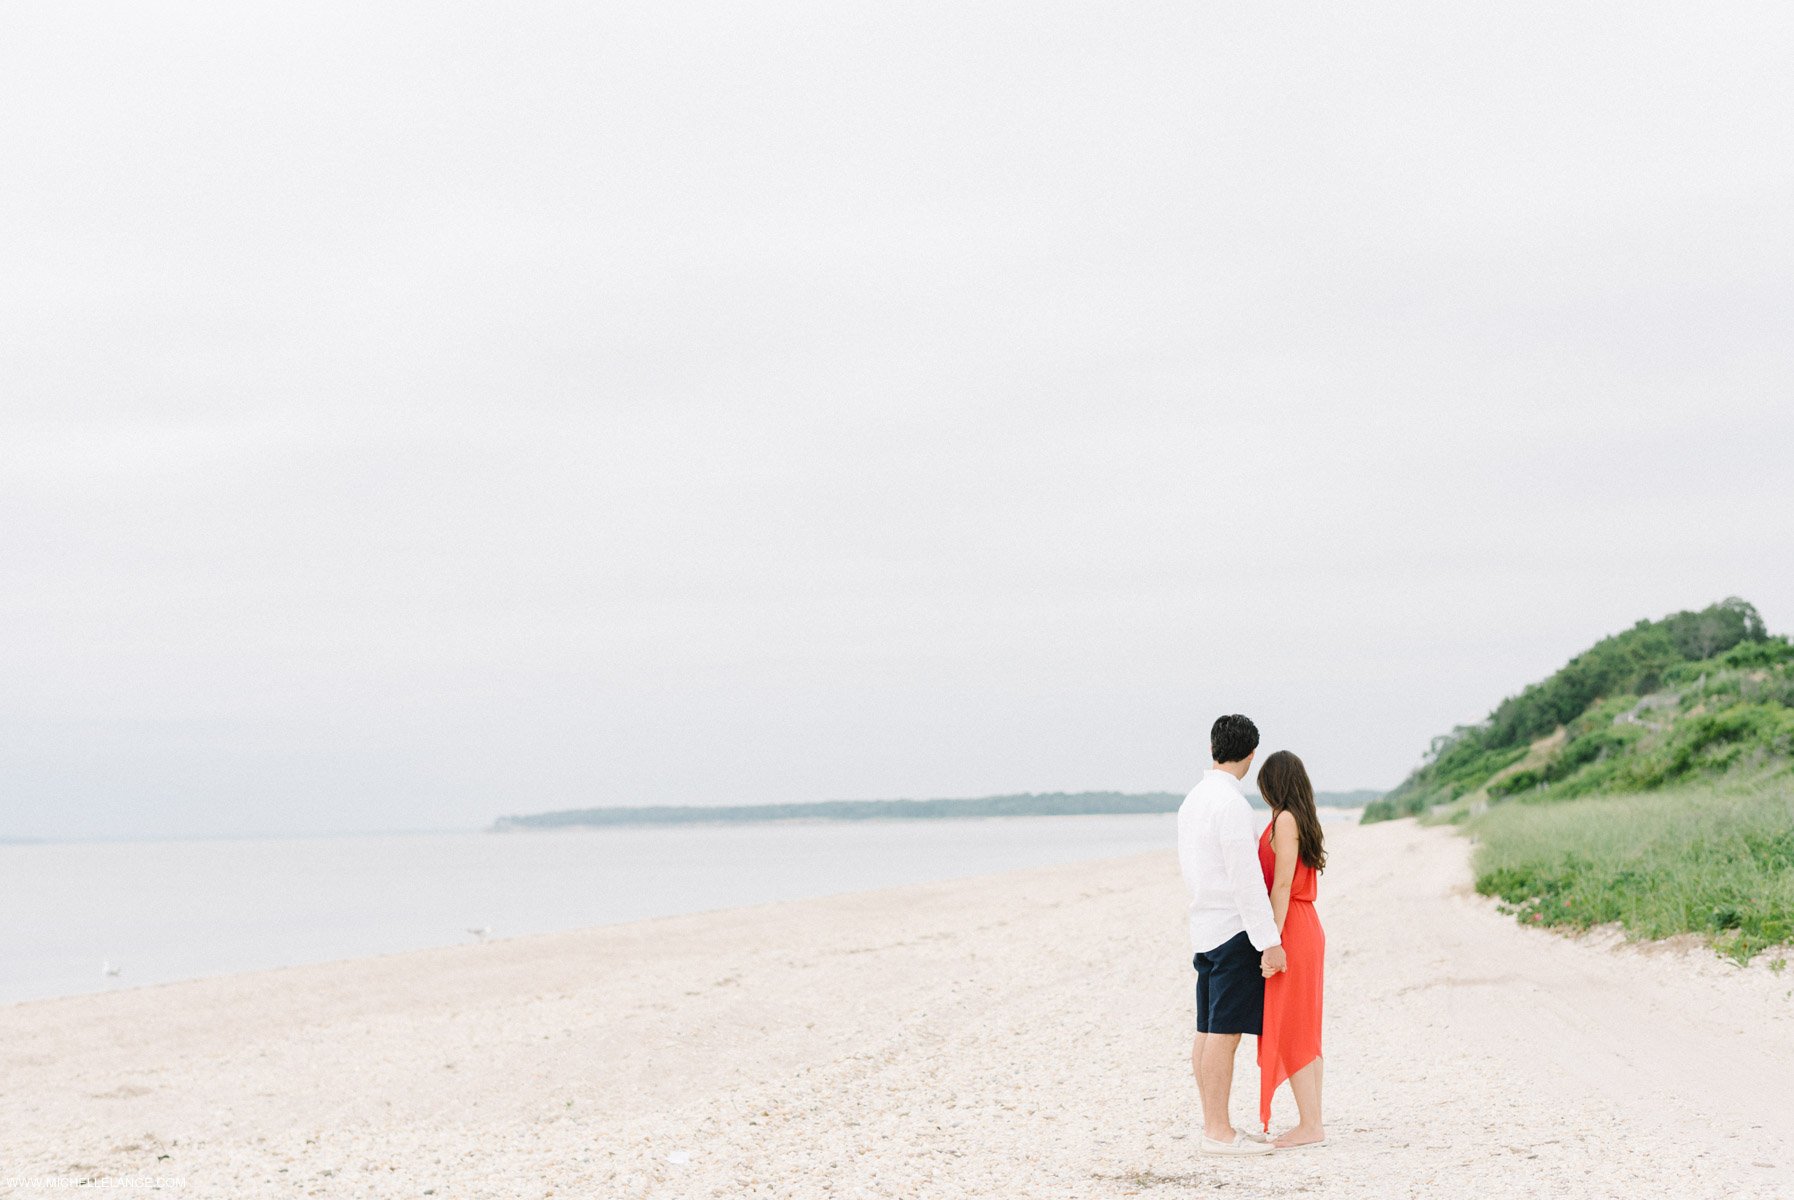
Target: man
[1231, 926]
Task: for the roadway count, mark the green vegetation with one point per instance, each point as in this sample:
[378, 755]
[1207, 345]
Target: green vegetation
[1025, 804]
[1647, 784]
[1716, 861]
[1692, 695]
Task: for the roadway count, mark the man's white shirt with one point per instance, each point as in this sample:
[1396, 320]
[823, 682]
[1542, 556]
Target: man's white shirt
[1217, 850]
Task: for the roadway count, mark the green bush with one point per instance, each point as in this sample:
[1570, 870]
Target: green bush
[1714, 741]
[1593, 746]
[1389, 808]
[1519, 781]
[1770, 652]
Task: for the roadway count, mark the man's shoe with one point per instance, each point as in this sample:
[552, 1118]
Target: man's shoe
[1239, 1145]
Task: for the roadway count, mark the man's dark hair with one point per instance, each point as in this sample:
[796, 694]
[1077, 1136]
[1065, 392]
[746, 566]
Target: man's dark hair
[1232, 738]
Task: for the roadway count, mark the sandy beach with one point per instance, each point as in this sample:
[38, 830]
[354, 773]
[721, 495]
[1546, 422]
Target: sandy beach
[1015, 1035]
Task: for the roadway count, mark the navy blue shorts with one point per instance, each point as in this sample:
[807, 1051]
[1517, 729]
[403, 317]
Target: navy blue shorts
[1230, 988]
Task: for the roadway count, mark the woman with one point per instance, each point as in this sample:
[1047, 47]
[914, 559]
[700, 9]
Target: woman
[1291, 853]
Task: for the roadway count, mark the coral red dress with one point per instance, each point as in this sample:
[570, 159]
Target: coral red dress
[1292, 1024]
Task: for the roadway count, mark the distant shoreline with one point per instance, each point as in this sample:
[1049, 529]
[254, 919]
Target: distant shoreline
[1022, 804]
[1328, 812]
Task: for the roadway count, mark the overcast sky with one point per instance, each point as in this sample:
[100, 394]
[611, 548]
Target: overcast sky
[414, 413]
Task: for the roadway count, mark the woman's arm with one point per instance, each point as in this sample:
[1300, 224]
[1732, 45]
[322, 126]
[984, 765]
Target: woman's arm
[1285, 844]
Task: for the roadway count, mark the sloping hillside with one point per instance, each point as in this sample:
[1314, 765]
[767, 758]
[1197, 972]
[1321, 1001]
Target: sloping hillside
[1688, 697]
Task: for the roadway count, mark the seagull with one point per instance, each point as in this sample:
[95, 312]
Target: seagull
[108, 970]
[483, 932]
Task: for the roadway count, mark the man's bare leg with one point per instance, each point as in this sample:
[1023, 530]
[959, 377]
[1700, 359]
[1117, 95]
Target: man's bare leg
[1211, 1058]
[1306, 1084]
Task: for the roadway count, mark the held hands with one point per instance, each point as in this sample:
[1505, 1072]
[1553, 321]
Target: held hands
[1273, 962]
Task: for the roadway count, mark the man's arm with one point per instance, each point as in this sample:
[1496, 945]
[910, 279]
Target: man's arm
[1239, 850]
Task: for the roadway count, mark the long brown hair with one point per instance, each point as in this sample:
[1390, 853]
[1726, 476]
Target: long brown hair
[1283, 782]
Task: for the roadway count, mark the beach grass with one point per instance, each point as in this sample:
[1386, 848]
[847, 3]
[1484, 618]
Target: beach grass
[1716, 860]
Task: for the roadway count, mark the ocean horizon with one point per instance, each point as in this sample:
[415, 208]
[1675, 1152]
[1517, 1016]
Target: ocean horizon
[162, 911]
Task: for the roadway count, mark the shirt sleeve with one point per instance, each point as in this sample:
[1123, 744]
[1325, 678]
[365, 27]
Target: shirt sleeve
[1239, 850]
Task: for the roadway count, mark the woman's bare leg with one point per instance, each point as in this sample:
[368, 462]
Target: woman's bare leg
[1306, 1084]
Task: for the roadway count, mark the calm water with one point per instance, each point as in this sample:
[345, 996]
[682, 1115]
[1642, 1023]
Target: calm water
[161, 911]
